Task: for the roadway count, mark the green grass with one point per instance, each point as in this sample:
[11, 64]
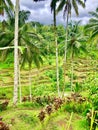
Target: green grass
[25, 117]
[8, 92]
[5, 65]
[26, 114]
[80, 124]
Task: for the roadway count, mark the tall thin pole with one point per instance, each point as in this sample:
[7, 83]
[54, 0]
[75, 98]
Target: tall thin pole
[65, 54]
[15, 98]
[56, 45]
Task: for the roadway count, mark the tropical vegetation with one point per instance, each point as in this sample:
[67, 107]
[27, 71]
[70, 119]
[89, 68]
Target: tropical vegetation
[48, 73]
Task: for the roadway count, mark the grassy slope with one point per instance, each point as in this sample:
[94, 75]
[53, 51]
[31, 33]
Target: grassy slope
[25, 118]
[26, 114]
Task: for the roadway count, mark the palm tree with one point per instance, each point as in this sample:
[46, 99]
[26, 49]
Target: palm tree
[31, 54]
[6, 5]
[16, 68]
[23, 16]
[28, 42]
[53, 8]
[67, 6]
[76, 44]
[92, 26]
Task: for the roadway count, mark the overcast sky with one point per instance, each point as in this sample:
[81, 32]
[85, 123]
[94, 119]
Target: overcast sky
[41, 11]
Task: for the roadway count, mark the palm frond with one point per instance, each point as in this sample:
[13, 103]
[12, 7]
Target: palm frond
[7, 6]
[10, 4]
[75, 7]
[93, 21]
[53, 4]
[94, 14]
[81, 3]
[97, 9]
[61, 5]
[94, 33]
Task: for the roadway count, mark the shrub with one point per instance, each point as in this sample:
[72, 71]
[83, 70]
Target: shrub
[49, 109]
[3, 126]
[42, 115]
[4, 105]
[76, 103]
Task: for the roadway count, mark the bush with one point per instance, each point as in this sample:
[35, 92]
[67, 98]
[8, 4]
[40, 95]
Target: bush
[3, 105]
[91, 84]
[76, 107]
[76, 103]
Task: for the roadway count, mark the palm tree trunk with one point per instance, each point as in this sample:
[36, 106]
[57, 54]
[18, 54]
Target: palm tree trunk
[30, 84]
[57, 67]
[65, 54]
[20, 89]
[15, 98]
[56, 45]
[72, 69]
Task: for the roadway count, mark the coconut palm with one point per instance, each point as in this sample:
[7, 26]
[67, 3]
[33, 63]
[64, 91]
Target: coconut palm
[16, 52]
[53, 8]
[67, 5]
[23, 17]
[16, 78]
[31, 54]
[76, 44]
[27, 41]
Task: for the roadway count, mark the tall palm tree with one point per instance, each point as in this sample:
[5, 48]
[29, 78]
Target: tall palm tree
[31, 54]
[6, 5]
[27, 42]
[53, 8]
[67, 6]
[76, 44]
[16, 65]
[16, 68]
[23, 16]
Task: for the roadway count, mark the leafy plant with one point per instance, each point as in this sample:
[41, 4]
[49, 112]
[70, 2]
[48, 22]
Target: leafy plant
[41, 115]
[4, 105]
[3, 126]
[49, 109]
[76, 103]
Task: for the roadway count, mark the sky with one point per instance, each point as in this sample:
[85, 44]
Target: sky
[41, 12]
